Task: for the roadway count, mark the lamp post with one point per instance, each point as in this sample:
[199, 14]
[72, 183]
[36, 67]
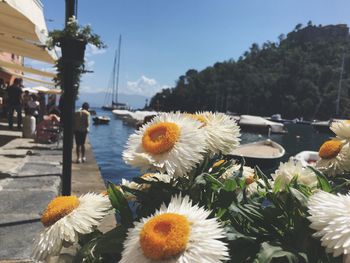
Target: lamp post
[72, 56]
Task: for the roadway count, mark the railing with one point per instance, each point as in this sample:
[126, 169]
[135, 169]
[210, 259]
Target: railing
[39, 3]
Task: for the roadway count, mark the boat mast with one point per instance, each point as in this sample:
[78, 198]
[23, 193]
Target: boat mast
[113, 75]
[118, 65]
[339, 86]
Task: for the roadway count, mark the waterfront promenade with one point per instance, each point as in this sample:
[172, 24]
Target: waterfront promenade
[30, 176]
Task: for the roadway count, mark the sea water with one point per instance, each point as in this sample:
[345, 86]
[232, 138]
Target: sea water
[108, 142]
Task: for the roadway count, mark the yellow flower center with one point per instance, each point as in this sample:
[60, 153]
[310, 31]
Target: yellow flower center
[249, 180]
[165, 236]
[347, 121]
[147, 176]
[218, 163]
[199, 118]
[160, 137]
[330, 149]
[59, 208]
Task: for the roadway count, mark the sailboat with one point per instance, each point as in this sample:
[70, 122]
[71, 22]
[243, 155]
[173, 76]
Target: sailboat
[112, 92]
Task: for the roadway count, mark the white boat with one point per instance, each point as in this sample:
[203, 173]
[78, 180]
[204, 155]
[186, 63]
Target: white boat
[307, 158]
[132, 118]
[265, 154]
[321, 126]
[101, 120]
[121, 113]
[259, 124]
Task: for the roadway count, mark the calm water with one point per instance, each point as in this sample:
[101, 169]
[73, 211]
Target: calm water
[108, 142]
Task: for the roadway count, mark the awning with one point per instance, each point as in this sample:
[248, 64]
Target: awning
[26, 69]
[25, 48]
[30, 79]
[47, 90]
[23, 29]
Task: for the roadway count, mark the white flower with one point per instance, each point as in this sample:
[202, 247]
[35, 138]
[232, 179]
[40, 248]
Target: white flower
[335, 157]
[131, 185]
[222, 131]
[341, 129]
[248, 172]
[65, 218]
[156, 177]
[177, 233]
[293, 168]
[257, 185]
[169, 143]
[330, 216]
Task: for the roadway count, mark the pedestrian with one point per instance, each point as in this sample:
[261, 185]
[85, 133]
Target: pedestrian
[81, 128]
[33, 107]
[14, 102]
[42, 105]
[25, 99]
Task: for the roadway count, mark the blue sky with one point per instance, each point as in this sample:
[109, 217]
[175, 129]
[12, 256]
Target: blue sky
[163, 39]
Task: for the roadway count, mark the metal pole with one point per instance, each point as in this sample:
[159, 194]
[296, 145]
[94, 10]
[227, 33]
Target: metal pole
[68, 111]
[339, 86]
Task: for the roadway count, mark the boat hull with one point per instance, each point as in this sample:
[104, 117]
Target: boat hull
[98, 120]
[263, 164]
[264, 154]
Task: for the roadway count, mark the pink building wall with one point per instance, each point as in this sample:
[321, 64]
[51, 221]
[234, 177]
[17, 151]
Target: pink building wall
[8, 57]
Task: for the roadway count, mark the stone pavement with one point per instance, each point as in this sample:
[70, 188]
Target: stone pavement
[29, 179]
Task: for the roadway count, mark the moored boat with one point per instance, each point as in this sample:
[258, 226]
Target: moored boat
[322, 126]
[258, 124]
[101, 120]
[265, 154]
[307, 158]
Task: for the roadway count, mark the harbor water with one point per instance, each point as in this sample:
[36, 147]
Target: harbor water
[108, 142]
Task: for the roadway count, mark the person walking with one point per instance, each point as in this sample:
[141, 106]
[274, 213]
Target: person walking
[81, 128]
[14, 100]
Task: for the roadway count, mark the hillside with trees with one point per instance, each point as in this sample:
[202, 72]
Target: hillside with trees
[298, 76]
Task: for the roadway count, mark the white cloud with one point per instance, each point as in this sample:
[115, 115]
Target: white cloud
[88, 89]
[89, 64]
[143, 86]
[92, 50]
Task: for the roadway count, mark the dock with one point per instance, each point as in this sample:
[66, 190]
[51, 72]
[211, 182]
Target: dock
[30, 177]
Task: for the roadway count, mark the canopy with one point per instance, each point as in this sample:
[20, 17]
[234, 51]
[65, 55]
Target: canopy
[23, 29]
[26, 69]
[47, 90]
[30, 90]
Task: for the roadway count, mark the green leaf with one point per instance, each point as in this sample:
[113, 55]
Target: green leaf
[120, 204]
[268, 252]
[112, 241]
[230, 185]
[323, 183]
[299, 196]
[263, 176]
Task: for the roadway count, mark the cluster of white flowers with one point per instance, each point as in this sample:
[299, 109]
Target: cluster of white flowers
[294, 169]
[174, 143]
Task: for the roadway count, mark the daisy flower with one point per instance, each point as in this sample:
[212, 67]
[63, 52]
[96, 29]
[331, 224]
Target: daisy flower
[335, 157]
[65, 218]
[156, 177]
[287, 171]
[169, 143]
[221, 130]
[330, 216]
[341, 129]
[177, 233]
[248, 173]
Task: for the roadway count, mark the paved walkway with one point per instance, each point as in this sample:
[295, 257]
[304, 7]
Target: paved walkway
[29, 179]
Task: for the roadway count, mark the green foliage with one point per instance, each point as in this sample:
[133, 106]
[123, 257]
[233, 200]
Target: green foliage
[268, 225]
[72, 31]
[297, 77]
